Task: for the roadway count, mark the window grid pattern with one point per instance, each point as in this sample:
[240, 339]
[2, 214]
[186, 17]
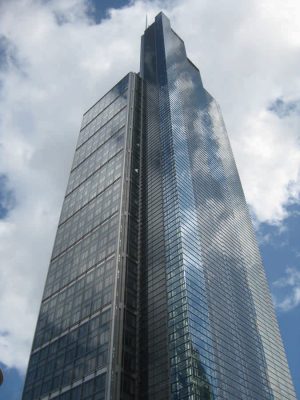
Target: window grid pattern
[91, 187]
[102, 118]
[189, 336]
[96, 160]
[153, 342]
[71, 348]
[103, 134]
[129, 247]
[224, 341]
[105, 101]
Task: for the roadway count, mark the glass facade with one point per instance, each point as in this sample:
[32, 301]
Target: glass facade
[155, 288]
[209, 323]
[78, 352]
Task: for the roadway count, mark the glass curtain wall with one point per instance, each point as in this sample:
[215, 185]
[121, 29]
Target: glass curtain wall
[83, 309]
[221, 327]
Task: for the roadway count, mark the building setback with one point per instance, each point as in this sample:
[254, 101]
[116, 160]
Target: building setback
[156, 288]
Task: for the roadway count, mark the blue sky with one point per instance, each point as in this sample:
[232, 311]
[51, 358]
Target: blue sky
[57, 57]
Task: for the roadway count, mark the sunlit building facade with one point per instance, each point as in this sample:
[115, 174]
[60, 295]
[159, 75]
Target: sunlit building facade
[155, 288]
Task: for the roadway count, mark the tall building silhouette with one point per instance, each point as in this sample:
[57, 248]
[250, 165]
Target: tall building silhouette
[155, 288]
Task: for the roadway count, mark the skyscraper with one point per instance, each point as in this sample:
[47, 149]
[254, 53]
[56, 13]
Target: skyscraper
[155, 288]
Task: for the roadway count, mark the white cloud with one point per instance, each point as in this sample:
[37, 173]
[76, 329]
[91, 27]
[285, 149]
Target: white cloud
[268, 154]
[58, 63]
[290, 283]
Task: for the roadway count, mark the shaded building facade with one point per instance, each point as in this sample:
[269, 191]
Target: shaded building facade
[155, 288]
